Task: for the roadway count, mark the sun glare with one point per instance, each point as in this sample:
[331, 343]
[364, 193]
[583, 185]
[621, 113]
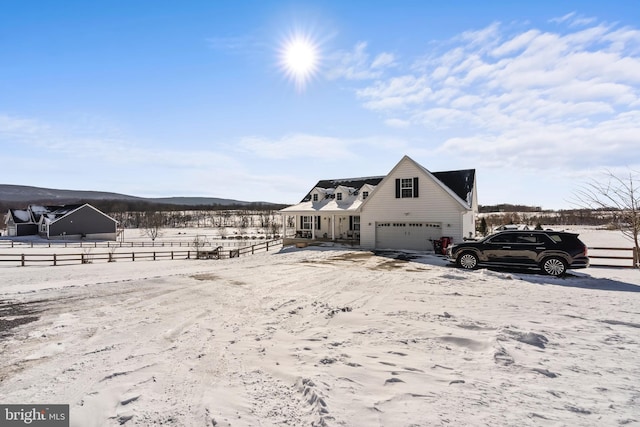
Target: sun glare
[299, 59]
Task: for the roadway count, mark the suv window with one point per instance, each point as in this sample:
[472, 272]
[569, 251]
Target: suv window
[556, 238]
[532, 238]
[563, 237]
[502, 238]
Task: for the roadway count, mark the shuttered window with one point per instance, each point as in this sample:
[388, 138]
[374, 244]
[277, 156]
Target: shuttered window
[307, 221]
[406, 188]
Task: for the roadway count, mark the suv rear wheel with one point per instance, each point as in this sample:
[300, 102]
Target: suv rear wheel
[468, 260]
[554, 266]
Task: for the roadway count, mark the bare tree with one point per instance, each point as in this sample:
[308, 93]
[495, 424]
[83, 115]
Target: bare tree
[199, 242]
[618, 194]
[152, 223]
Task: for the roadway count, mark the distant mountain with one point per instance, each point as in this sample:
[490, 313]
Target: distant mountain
[19, 195]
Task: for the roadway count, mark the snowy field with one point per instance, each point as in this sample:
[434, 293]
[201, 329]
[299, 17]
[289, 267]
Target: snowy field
[323, 336]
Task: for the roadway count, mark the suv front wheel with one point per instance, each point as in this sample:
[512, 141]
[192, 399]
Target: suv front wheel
[468, 260]
[554, 266]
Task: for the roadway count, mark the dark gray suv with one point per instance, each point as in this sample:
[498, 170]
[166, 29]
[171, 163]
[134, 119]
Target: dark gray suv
[552, 251]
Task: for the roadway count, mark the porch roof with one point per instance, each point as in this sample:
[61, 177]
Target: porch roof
[326, 206]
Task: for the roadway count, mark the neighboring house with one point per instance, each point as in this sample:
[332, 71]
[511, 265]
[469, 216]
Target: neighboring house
[406, 209]
[20, 222]
[63, 222]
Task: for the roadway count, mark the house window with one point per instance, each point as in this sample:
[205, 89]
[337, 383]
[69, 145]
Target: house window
[339, 196]
[306, 222]
[355, 226]
[365, 194]
[315, 197]
[406, 188]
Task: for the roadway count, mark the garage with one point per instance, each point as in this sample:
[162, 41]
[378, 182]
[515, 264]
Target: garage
[407, 235]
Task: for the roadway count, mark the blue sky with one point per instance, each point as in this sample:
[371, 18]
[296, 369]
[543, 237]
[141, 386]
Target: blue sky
[161, 98]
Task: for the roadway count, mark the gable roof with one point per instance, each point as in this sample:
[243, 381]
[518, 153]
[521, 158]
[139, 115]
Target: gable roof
[20, 216]
[459, 184]
[457, 179]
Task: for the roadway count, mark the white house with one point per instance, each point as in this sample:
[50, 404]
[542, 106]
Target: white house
[406, 209]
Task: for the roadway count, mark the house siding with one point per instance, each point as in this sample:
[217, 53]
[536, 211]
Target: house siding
[83, 222]
[433, 205]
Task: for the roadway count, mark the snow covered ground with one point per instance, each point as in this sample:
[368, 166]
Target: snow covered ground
[322, 336]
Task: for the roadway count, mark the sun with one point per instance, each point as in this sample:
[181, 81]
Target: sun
[299, 59]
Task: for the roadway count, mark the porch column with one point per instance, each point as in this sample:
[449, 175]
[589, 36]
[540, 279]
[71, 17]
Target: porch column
[333, 227]
[284, 225]
[313, 227]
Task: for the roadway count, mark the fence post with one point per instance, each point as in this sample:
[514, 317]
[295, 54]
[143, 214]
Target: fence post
[154, 255]
[22, 260]
[636, 260]
[133, 256]
[267, 246]
[54, 260]
[81, 258]
[188, 254]
[172, 255]
[253, 247]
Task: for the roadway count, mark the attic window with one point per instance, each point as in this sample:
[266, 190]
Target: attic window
[365, 194]
[315, 197]
[406, 188]
[339, 196]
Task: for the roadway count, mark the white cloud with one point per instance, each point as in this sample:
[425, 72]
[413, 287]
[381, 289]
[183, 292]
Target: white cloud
[356, 64]
[308, 146]
[383, 60]
[573, 20]
[397, 92]
[397, 123]
[559, 98]
[98, 150]
[517, 43]
[295, 146]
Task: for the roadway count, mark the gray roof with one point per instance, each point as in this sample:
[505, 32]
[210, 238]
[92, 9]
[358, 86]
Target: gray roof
[461, 182]
[356, 183]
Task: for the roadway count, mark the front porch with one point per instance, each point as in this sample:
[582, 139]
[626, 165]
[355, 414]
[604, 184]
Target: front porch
[302, 242]
[319, 227]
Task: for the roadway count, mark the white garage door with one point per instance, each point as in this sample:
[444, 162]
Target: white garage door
[407, 235]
